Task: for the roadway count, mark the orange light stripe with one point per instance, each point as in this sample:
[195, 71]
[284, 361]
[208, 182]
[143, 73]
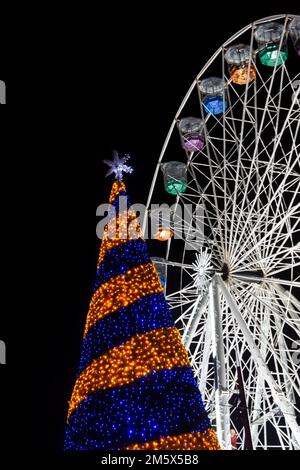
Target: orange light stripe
[117, 187]
[121, 291]
[192, 441]
[120, 229]
[137, 357]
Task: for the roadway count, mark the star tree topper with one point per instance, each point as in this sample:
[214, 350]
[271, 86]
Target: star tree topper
[118, 166]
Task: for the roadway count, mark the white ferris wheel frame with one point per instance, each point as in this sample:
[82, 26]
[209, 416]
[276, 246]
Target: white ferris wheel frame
[213, 336]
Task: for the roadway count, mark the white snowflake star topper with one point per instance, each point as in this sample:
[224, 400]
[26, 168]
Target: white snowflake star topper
[118, 166]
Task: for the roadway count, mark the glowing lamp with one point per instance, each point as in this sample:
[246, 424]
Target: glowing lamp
[174, 177]
[191, 133]
[212, 91]
[272, 44]
[241, 69]
[294, 31]
[161, 268]
[161, 221]
[163, 234]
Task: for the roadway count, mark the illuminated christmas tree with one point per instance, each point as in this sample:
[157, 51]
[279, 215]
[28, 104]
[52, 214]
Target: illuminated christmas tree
[135, 388]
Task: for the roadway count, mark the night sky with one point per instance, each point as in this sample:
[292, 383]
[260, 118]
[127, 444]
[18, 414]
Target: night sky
[98, 82]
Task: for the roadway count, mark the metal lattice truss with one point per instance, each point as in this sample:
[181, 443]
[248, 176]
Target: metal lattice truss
[242, 325]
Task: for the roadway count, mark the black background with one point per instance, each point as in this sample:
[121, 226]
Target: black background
[78, 87]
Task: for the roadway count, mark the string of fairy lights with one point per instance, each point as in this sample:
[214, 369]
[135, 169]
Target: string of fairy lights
[135, 388]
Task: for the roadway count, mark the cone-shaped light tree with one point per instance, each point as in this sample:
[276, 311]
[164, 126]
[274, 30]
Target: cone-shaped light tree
[135, 388]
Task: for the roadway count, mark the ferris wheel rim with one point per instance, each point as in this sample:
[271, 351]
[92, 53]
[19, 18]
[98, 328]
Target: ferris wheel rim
[191, 88]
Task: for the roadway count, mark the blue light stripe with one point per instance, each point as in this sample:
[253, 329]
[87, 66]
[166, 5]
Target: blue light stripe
[119, 260]
[164, 403]
[150, 312]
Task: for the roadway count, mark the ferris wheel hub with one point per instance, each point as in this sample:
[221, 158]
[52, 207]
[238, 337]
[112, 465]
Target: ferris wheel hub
[225, 271]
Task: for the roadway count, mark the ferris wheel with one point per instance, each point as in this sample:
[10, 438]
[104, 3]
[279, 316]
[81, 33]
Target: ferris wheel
[231, 254]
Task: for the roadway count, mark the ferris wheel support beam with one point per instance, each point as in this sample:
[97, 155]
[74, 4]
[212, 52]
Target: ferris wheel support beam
[273, 280]
[205, 360]
[278, 396]
[222, 392]
[198, 310]
[284, 359]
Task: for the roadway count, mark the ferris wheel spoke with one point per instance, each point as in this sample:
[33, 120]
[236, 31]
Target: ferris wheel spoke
[233, 170]
[215, 199]
[258, 137]
[267, 208]
[284, 254]
[290, 257]
[277, 225]
[272, 180]
[275, 317]
[242, 215]
[289, 186]
[197, 234]
[263, 335]
[271, 246]
[269, 166]
[278, 281]
[284, 268]
[263, 87]
[239, 153]
[288, 298]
